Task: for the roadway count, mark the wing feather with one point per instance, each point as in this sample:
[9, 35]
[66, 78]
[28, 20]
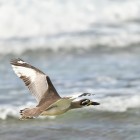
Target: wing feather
[34, 79]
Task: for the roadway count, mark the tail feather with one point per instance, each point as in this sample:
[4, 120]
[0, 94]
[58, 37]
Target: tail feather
[29, 113]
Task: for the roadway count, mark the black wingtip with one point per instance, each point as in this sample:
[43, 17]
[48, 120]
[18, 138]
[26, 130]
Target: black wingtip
[14, 61]
[86, 94]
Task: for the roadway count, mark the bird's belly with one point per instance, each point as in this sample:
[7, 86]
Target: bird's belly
[57, 108]
[54, 111]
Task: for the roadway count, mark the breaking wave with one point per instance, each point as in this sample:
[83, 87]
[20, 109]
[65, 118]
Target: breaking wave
[55, 25]
[107, 104]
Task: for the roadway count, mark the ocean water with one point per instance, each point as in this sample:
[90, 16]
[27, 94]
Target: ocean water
[84, 46]
[113, 77]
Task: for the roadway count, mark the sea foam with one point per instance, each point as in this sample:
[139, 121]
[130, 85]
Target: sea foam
[107, 104]
[53, 25]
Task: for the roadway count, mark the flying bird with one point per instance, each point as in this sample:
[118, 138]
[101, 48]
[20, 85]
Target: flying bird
[49, 102]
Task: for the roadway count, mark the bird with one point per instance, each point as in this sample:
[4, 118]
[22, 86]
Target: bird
[49, 102]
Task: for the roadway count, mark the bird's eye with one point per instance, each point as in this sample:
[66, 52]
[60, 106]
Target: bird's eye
[85, 102]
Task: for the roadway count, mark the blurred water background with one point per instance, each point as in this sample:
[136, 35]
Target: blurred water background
[84, 46]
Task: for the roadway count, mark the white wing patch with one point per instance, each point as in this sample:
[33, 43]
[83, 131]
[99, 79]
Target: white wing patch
[21, 62]
[33, 78]
[24, 71]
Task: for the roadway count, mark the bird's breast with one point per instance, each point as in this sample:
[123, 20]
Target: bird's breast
[57, 108]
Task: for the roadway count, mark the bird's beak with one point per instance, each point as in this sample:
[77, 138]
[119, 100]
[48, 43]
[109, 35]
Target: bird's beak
[93, 103]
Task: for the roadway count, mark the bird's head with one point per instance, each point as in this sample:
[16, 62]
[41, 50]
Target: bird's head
[87, 102]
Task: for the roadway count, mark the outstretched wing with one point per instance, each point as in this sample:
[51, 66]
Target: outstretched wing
[38, 83]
